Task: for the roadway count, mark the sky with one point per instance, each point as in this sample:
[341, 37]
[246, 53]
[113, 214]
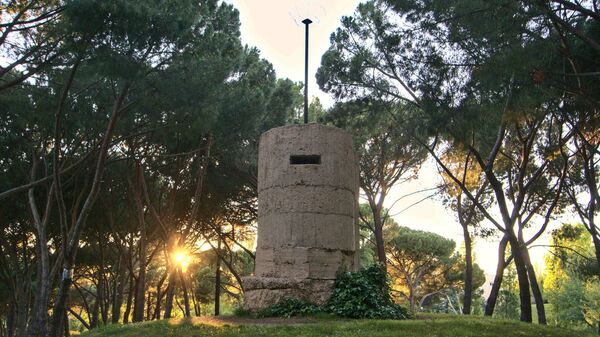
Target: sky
[275, 27]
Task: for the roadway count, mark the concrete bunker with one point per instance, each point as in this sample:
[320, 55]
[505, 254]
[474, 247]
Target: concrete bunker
[307, 210]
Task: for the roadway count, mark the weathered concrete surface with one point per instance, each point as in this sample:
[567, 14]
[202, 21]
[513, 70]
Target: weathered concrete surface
[307, 229]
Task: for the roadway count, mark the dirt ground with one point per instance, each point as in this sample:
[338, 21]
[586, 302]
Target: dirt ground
[234, 320]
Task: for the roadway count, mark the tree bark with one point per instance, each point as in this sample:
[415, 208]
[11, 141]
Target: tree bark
[159, 296]
[490, 304]
[119, 288]
[376, 208]
[522, 277]
[71, 246]
[218, 281]
[170, 294]
[130, 294]
[140, 289]
[535, 288]
[38, 323]
[186, 296]
[468, 286]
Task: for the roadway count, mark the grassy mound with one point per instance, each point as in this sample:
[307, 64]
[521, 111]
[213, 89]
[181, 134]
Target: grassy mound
[431, 325]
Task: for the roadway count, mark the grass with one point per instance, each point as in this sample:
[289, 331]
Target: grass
[429, 326]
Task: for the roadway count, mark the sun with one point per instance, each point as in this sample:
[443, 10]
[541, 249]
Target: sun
[182, 259]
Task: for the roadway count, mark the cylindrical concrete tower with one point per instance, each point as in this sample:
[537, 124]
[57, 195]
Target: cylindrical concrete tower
[307, 210]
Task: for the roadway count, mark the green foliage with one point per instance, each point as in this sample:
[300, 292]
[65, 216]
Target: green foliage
[241, 312]
[571, 280]
[364, 294]
[290, 308]
[451, 302]
[591, 303]
[421, 264]
[568, 301]
[507, 305]
[422, 245]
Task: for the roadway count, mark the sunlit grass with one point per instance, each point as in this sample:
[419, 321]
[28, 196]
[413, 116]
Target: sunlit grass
[429, 326]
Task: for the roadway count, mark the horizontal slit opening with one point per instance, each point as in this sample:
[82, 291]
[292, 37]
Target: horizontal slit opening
[311, 159]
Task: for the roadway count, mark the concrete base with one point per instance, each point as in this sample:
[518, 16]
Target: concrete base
[263, 292]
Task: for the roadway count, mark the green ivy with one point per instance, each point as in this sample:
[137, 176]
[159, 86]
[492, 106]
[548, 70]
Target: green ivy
[364, 294]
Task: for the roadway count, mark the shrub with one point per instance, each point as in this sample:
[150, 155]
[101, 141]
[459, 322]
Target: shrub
[364, 294]
[241, 312]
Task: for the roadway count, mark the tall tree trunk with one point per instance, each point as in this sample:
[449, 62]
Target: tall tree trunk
[39, 317]
[38, 323]
[186, 296]
[170, 293]
[148, 306]
[535, 287]
[95, 310]
[10, 319]
[194, 301]
[159, 296]
[490, 304]
[468, 286]
[71, 246]
[119, 288]
[99, 290]
[130, 294]
[22, 309]
[411, 298]
[596, 241]
[378, 232]
[140, 289]
[522, 277]
[67, 326]
[218, 280]
[105, 303]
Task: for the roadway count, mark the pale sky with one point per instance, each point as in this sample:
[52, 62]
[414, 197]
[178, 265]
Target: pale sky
[274, 27]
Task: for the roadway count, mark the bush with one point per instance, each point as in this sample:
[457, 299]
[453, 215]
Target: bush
[364, 294]
[241, 312]
[290, 308]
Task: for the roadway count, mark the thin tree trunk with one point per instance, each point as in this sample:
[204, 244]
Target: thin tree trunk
[186, 297]
[10, 319]
[596, 241]
[148, 306]
[170, 293]
[22, 308]
[523, 279]
[490, 304]
[159, 296]
[218, 281]
[72, 245]
[119, 289]
[140, 289]
[67, 326]
[95, 309]
[468, 286]
[535, 288]
[130, 292]
[194, 301]
[38, 323]
[378, 233]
